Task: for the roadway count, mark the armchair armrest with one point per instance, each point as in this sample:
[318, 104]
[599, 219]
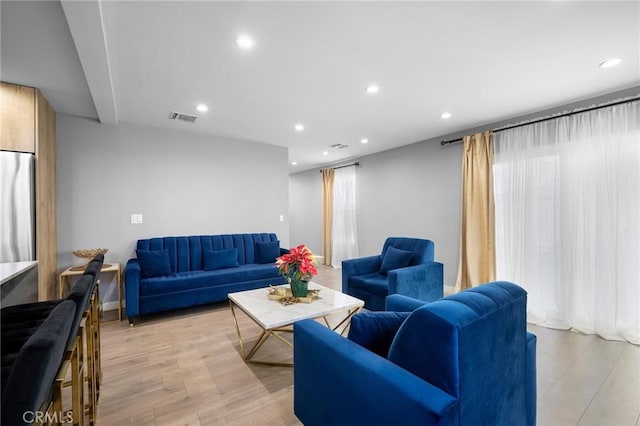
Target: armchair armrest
[326, 391]
[400, 303]
[359, 266]
[132, 276]
[422, 282]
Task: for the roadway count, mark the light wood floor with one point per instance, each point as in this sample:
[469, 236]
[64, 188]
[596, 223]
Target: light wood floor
[185, 368]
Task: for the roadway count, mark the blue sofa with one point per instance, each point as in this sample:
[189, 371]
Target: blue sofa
[466, 359]
[177, 272]
[405, 266]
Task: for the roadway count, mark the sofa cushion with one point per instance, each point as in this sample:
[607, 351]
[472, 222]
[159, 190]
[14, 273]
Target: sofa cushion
[395, 258]
[266, 252]
[220, 259]
[199, 279]
[373, 283]
[154, 263]
[376, 330]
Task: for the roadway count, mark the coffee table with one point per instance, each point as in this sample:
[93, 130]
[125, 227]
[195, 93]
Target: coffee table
[275, 318]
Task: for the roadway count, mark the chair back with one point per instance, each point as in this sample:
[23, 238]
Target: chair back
[94, 266]
[423, 250]
[472, 345]
[80, 294]
[35, 368]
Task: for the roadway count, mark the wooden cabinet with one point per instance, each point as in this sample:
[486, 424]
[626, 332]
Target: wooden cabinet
[28, 124]
[46, 199]
[18, 118]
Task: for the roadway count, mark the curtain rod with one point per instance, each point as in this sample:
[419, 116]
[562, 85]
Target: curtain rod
[346, 165]
[540, 120]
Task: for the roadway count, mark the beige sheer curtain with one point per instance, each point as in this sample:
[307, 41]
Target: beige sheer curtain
[327, 213]
[477, 235]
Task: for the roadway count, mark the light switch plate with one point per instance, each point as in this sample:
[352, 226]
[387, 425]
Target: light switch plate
[136, 218]
[281, 218]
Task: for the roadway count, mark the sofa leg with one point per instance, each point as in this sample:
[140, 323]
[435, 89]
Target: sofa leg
[130, 321]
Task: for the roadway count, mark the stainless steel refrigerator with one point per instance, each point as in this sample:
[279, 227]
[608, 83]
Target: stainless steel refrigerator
[17, 206]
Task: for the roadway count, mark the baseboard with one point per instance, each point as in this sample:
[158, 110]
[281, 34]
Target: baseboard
[110, 306]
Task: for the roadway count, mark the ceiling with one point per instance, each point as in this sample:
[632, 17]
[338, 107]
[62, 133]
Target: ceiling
[137, 61]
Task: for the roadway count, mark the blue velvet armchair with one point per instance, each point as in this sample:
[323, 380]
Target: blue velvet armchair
[466, 359]
[405, 266]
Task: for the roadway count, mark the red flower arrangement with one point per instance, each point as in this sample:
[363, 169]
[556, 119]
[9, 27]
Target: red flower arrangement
[298, 265]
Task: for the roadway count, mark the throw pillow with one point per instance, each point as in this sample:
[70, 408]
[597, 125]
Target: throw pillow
[154, 263]
[267, 252]
[220, 259]
[395, 258]
[375, 330]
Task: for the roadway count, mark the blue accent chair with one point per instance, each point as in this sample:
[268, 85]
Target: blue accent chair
[466, 359]
[420, 277]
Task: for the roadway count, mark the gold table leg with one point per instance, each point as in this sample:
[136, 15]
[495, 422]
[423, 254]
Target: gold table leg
[235, 321]
[275, 332]
[346, 320]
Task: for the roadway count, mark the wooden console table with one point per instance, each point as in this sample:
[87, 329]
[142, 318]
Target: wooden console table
[65, 278]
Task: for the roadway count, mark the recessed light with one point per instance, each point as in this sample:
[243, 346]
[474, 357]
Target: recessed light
[299, 127]
[364, 140]
[325, 153]
[202, 108]
[372, 88]
[445, 115]
[245, 41]
[610, 63]
[294, 163]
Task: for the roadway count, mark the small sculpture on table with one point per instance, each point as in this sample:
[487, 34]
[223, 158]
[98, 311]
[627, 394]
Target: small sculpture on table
[89, 254]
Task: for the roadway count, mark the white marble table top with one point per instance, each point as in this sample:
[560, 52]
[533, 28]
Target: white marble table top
[270, 314]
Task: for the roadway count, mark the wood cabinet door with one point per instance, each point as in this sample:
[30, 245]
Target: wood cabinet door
[17, 118]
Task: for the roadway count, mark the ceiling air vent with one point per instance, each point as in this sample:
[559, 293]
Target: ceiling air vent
[339, 146]
[184, 117]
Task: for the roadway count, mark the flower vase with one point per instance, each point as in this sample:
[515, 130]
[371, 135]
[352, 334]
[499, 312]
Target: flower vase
[299, 288]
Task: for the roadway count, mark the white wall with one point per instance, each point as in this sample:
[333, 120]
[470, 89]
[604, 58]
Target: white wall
[412, 191]
[305, 210]
[183, 183]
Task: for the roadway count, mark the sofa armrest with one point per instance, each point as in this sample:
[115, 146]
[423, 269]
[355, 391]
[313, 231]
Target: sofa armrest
[284, 251]
[422, 282]
[132, 275]
[400, 303]
[359, 266]
[326, 393]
